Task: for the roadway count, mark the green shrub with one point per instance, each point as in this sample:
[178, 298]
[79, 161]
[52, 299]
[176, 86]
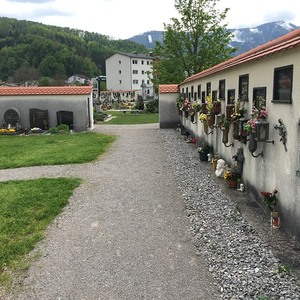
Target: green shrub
[53, 130]
[63, 128]
[100, 116]
[152, 106]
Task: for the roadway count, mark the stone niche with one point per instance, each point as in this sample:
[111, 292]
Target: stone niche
[39, 118]
[65, 117]
[12, 117]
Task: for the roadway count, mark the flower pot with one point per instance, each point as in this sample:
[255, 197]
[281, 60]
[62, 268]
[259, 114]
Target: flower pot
[232, 183]
[275, 219]
[203, 156]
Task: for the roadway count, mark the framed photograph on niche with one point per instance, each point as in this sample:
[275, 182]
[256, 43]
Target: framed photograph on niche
[208, 88]
[243, 87]
[283, 84]
[222, 89]
[258, 94]
[214, 95]
[230, 96]
[203, 97]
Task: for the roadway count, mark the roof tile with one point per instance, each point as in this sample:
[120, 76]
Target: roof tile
[168, 88]
[47, 90]
[287, 41]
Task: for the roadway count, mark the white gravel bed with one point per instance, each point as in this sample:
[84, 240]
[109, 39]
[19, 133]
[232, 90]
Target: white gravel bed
[242, 263]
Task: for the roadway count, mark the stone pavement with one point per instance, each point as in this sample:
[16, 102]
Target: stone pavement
[124, 235]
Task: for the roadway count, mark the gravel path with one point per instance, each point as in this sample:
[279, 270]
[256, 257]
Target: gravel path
[125, 233]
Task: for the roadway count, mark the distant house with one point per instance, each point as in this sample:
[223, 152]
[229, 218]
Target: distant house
[46, 107]
[130, 72]
[78, 79]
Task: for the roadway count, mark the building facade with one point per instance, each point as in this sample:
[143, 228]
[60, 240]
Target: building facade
[264, 81]
[130, 72]
[46, 107]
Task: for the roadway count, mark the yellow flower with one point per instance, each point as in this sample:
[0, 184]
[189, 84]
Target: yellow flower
[203, 117]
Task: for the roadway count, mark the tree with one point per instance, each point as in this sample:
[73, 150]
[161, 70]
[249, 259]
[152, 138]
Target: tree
[194, 42]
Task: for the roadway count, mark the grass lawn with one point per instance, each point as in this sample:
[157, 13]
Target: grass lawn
[37, 150]
[132, 118]
[27, 207]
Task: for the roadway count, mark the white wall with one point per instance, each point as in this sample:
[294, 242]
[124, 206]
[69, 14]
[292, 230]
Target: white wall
[277, 168]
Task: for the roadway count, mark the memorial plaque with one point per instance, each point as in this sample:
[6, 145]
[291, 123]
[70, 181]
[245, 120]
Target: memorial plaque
[39, 118]
[65, 117]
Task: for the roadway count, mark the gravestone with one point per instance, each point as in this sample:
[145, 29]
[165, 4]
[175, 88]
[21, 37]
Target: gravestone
[12, 117]
[39, 118]
[65, 117]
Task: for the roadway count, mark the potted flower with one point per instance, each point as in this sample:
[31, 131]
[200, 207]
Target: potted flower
[232, 175]
[270, 200]
[203, 151]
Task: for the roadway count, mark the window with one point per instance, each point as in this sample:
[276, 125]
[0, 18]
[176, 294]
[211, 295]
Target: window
[222, 89]
[230, 96]
[243, 87]
[134, 62]
[120, 62]
[134, 71]
[283, 82]
[120, 72]
[120, 81]
[135, 81]
[259, 93]
[142, 62]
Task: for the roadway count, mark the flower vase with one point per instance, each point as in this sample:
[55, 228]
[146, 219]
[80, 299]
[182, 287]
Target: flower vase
[252, 146]
[235, 130]
[275, 219]
[232, 183]
[193, 118]
[225, 136]
[205, 126]
[211, 120]
[203, 156]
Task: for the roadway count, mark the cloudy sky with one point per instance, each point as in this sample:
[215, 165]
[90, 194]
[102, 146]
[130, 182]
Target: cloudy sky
[121, 19]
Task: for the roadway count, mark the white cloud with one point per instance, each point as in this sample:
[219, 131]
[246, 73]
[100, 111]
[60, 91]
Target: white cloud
[123, 19]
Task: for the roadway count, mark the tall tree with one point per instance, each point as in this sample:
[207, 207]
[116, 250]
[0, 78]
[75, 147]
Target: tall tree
[193, 43]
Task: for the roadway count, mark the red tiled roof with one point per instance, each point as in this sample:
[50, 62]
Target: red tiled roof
[46, 90]
[168, 88]
[287, 41]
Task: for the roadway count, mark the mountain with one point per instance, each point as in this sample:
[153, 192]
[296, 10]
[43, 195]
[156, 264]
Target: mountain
[31, 51]
[244, 38]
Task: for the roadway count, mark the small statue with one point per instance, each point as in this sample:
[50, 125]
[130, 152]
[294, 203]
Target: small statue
[221, 167]
[209, 155]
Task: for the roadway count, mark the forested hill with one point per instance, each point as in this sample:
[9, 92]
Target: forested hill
[34, 50]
